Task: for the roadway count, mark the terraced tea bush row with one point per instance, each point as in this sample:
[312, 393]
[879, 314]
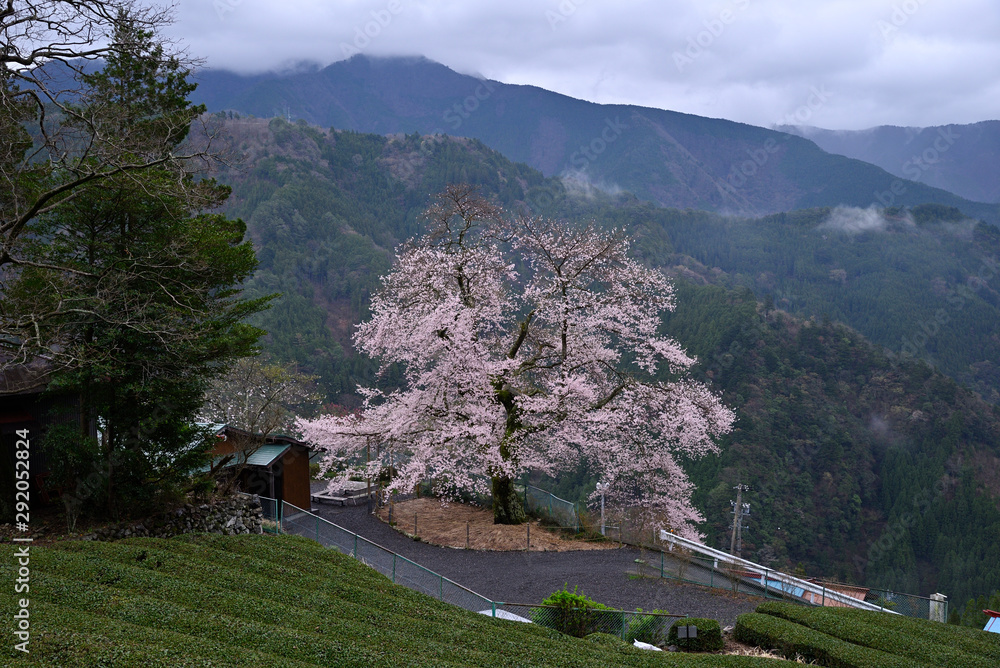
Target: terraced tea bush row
[793, 640]
[921, 640]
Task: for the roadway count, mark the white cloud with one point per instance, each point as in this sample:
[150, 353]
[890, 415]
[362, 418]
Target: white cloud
[852, 220]
[899, 62]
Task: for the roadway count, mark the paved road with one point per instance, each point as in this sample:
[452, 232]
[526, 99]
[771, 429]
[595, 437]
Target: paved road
[528, 577]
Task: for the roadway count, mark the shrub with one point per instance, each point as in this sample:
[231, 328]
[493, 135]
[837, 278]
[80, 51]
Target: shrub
[709, 638]
[650, 628]
[577, 615]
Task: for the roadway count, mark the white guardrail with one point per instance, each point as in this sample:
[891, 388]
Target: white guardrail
[768, 574]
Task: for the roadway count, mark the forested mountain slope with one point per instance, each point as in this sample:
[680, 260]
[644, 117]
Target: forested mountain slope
[958, 158]
[923, 282]
[327, 209]
[838, 439]
[859, 468]
[666, 157]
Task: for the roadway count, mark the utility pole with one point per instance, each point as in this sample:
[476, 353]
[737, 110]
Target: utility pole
[740, 510]
[602, 488]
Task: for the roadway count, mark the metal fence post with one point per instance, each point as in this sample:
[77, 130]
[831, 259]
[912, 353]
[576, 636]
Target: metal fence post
[394, 568]
[317, 529]
[624, 627]
[441, 587]
[355, 546]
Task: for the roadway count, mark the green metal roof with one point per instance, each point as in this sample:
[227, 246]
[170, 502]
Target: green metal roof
[266, 455]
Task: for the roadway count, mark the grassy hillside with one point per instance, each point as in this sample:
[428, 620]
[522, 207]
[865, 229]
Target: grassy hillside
[270, 601]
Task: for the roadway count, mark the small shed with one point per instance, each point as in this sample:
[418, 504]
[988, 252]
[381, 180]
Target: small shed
[275, 466]
[26, 408]
[993, 623]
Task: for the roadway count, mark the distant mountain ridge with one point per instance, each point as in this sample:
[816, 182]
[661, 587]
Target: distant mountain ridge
[962, 159]
[666, 157]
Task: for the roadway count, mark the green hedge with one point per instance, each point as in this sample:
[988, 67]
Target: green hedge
[709, 638]
[794, 640]
[923, 640]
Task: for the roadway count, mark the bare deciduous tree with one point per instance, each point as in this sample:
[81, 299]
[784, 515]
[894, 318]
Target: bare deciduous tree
[259, 399]
[66, 129]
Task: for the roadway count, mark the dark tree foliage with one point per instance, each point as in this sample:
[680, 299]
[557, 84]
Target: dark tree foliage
[861, 469]
[131, 293]
[51, 145]
[973, 613]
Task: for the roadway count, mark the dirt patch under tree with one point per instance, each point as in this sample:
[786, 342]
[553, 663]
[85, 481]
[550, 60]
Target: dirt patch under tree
[460, 525]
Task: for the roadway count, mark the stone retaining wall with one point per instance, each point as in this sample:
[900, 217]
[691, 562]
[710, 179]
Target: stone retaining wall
[238, 514]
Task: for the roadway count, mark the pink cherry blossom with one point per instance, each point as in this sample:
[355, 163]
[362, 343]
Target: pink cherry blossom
[527, 344]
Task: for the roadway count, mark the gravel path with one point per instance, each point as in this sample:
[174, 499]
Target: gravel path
[528, 577]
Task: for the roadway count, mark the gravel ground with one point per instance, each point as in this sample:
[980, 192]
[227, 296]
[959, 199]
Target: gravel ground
[528, 577]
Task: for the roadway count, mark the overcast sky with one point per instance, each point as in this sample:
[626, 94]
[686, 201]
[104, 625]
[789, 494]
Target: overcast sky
[840, 64]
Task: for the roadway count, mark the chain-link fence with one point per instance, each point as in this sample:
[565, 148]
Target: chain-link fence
[545, 504]
[650, 627]
[689, 566]
[291, 519]
[286, 518]
[904, 604]
[685, 566]
[269, 517]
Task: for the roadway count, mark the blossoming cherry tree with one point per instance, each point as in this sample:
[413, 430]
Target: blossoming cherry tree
[527, 345]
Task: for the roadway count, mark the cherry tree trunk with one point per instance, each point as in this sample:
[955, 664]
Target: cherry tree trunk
[508, 507]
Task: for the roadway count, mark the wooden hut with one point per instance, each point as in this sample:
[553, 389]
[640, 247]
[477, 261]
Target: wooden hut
[274, 466]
